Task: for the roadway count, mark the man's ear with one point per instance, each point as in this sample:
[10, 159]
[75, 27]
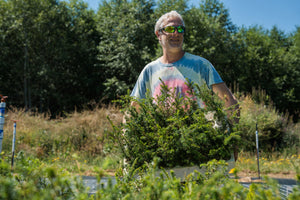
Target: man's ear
[157, 35]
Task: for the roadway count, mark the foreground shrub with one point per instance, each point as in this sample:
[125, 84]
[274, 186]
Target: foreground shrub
[175, 130]
[32, 180]
[213, 185]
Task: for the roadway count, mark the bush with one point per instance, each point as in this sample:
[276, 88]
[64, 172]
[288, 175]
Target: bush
[32, 180]
[275, 131]
[175, 130]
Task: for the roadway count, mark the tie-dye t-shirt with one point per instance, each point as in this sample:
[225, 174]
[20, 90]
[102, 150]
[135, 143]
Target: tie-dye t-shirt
[174, 75]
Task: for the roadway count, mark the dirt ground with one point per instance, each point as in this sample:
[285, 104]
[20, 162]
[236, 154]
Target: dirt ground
[248, 176]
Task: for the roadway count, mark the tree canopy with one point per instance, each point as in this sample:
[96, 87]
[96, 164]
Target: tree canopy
[60, 55]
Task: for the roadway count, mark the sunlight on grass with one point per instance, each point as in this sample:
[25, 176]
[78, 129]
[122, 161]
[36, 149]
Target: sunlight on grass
[274, 164]
[78, 143]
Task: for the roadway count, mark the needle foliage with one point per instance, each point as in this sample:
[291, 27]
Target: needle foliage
[175, 130]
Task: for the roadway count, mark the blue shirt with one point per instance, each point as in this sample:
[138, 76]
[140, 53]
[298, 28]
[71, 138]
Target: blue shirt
[194, 68]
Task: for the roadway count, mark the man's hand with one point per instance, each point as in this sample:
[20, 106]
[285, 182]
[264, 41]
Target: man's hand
[225, 94]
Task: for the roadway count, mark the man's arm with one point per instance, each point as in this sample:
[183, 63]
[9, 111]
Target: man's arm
[133, 104]
[225, 94]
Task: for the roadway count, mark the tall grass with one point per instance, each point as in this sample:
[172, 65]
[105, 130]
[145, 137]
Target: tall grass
[75, 142]
[276, 130]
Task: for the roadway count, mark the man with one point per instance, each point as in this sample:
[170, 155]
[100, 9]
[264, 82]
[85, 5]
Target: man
[176, 65]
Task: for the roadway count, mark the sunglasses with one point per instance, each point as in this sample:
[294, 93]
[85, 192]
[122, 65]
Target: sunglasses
[171, 29]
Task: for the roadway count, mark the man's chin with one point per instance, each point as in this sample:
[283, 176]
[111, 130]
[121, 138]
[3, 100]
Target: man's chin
[175, 45]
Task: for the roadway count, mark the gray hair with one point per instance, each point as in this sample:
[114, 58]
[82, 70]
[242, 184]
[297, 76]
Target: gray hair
[160, 22]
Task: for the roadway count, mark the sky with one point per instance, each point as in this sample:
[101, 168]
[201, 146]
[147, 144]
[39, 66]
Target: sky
[285, 14]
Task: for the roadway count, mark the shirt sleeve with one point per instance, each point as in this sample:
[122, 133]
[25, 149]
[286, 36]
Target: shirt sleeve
[213, 76]
[139, 90]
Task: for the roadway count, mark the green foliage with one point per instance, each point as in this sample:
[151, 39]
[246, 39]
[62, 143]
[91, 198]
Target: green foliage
[4, 168]
[55, 43]
[32, 180]
[68, 55]
[268, 56]
[164, 6]
[175, 129]
[127, 43]
[79, 143]
[51, 183]
[209, 34]
[213, 166]
[275, 130]
[215, 186]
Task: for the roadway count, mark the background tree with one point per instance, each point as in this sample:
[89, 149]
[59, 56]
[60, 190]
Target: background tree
[164, 6]
[127, 43]
[266, 64]
[14, 45]
[289, 82]
[210, 35]
[57, 55]
[50, 54]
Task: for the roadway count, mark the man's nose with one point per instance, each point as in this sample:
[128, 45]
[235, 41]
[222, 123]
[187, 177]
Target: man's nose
[176, 31]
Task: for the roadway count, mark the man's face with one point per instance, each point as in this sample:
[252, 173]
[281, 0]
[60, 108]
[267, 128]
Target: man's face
[174, 40]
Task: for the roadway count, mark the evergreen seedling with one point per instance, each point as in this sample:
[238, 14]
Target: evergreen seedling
[174, 129]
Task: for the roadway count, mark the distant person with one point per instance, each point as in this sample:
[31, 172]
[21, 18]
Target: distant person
[176, 65]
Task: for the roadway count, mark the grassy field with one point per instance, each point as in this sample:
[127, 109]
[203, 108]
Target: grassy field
[81, 144]
[51, 153]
